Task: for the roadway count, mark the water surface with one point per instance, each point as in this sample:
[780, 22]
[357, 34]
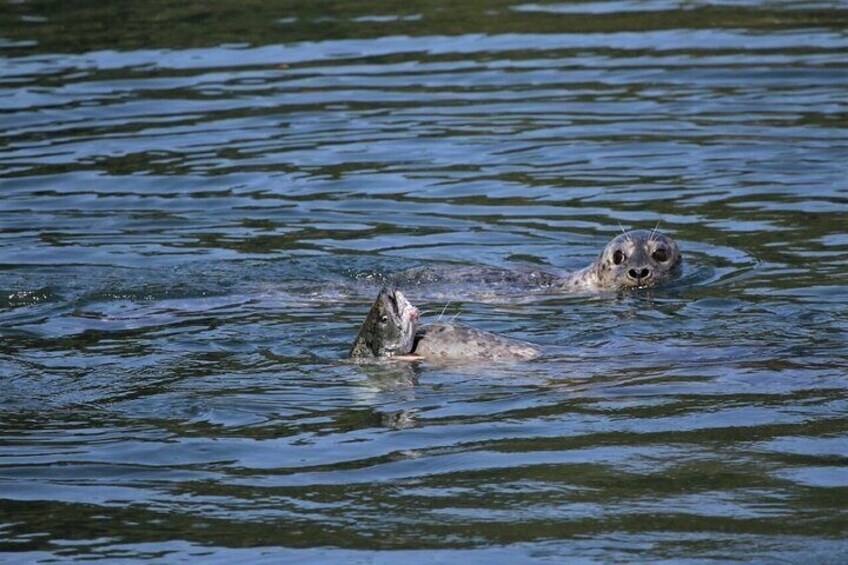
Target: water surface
[188, 196]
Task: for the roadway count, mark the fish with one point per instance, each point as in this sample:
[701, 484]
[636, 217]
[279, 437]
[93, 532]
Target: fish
[390, 328]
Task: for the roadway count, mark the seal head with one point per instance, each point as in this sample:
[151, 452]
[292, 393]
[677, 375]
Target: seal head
[636, 259]
[389, 329]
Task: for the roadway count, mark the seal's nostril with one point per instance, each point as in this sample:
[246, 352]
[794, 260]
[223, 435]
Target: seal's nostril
[644, 273]
[633, 274]
[640, 274]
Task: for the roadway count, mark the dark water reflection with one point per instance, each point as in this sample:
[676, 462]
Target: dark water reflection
[196, 205]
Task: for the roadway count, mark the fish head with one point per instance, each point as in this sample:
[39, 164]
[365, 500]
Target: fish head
[390, 327]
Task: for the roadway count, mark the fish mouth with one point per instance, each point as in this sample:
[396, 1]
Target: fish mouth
[402, 306]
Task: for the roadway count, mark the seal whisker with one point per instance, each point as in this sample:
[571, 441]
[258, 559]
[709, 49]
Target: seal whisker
[627, 236]
[454, 316]
[439, 319]
[654, 231]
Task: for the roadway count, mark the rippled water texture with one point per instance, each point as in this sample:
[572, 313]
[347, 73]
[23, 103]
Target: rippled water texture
[197, 205]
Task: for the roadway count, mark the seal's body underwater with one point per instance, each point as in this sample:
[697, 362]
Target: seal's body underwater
[392, 330]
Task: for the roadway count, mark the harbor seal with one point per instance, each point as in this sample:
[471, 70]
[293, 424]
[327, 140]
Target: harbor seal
[633, 259]
[392, 329]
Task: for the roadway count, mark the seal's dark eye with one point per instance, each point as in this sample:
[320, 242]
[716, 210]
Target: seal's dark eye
[384, 319]
[618, 257]
[660, 255]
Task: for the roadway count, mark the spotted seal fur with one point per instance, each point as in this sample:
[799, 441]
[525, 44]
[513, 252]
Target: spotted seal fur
[455, 342]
